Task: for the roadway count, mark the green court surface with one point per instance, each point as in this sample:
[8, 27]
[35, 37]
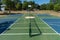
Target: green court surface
[30, 29]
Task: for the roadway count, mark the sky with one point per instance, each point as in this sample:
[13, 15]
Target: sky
[40, 1]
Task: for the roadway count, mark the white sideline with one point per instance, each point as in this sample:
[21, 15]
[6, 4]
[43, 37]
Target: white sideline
[28, 34]
[28, 28]
[50, 27]
[11, 25]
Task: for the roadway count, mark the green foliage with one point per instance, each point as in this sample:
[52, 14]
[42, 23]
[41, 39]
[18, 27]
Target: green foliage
[58, 1]
[7, 2]
[19, 6]
[57, 7]
[43, 7]
[12, 4]
[32, 5]
[0, 3]
[25, 5]
[50, 6]
[37, 6]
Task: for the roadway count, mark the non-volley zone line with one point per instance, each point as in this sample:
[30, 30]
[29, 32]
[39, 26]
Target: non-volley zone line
[27, 34]
[28, 28]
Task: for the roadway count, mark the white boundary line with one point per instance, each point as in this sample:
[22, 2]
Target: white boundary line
[49, 34]
[28, 34]
[28, 28]
[11, 25]
[50, 27]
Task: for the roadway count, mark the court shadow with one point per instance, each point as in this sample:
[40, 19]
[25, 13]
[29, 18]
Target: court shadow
[30, 29]
[4, 26]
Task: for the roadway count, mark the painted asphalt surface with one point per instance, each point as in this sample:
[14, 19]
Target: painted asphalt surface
[19, 30]
[54, 23]
[6, 22]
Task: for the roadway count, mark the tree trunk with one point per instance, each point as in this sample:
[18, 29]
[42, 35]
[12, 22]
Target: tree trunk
[9, 9]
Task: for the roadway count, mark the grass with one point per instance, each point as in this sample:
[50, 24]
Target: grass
[20, 30]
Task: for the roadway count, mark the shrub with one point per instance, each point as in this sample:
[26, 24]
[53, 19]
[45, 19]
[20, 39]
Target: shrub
[43, 7]
[18, 6]
[57, 7]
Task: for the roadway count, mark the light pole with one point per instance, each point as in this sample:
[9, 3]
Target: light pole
[29, 6]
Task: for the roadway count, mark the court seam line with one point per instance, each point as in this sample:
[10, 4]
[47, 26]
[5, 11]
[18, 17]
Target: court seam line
[49, 26]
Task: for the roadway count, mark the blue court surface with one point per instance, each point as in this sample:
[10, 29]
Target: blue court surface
[54, 23]
[6, 22]
[42, 27]
[44, 15]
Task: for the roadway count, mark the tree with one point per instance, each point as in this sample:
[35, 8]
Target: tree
[0, 5]
[19, 6]
[37, 6]
[17, 3]
[33, 5]
[8, 3]
[25, 5]
[12, 4]
[57, 7]
[50, 6]
[43, 7]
